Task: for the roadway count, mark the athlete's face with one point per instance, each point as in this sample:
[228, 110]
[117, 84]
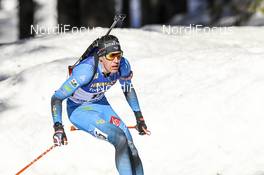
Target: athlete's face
[111, 61]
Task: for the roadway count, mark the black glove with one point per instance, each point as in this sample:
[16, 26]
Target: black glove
[59, 137]
[141, 125]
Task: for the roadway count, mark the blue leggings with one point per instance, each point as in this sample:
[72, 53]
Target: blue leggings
[100, 120]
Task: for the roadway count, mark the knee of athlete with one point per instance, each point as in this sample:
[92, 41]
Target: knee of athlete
[120, 140]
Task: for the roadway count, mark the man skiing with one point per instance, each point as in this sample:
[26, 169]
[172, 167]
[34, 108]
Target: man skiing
[88, 108]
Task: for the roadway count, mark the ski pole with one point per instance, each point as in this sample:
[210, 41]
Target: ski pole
[146, 131]
[131, 127]
[73, 128]
[35, 160]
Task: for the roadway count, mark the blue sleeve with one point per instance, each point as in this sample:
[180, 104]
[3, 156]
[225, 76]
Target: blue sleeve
[127, 86]
[81, 75]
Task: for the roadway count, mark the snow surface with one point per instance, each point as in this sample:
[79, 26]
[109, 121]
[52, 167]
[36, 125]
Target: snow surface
[8, 21]
[201, 95]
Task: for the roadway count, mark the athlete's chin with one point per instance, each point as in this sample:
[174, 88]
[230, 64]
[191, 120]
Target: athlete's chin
[114, 69]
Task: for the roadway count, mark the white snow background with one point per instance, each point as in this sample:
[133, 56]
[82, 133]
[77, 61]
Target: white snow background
[202, 96]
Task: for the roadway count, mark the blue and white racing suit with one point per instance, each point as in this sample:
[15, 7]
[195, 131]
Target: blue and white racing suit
[89, 110]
